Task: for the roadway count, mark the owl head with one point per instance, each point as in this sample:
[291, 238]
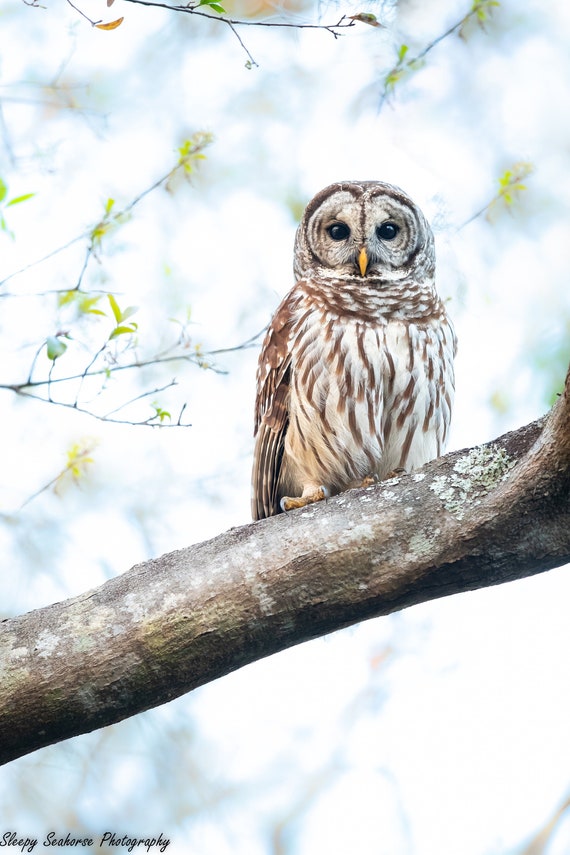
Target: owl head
[364, 229]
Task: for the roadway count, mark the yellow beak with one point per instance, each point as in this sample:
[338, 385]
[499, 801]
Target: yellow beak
[362, 261]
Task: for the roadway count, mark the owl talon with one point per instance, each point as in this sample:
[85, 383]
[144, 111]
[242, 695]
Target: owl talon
[289, 503]
[395, 473]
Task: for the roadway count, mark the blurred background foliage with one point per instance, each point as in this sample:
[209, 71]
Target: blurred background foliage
[151, 180]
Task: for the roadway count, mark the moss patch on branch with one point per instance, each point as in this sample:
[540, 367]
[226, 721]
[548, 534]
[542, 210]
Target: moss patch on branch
[473, 476]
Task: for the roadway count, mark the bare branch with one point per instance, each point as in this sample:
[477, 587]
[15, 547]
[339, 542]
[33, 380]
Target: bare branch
[154, 421]
[87, 18]
[49, 255]
[341, 24]
[198, 10]
[149, 393]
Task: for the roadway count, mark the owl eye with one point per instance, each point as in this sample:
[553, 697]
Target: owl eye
[387, 231]
[338, 231]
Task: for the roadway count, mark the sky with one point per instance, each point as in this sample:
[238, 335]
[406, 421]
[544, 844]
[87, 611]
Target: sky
[439, 730]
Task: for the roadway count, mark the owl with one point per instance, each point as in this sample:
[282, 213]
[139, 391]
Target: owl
[355, 378]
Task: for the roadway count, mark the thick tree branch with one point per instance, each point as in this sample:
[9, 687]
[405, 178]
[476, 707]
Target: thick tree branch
[471, 519]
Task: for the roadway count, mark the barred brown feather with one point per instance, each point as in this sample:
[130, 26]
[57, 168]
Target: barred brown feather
[355, 376]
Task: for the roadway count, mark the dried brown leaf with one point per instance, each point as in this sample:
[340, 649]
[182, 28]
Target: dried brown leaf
[112, 25]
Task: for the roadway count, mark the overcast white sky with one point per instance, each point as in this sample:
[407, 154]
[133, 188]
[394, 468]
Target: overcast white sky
[439, 731]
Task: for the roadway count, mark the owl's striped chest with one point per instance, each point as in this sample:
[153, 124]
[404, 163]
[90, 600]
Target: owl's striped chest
[337, 361]
[366, 398]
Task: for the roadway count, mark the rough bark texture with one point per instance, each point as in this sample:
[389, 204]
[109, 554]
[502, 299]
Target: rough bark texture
[474, 518]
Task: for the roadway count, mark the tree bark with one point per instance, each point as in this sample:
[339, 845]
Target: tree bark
[474, 518]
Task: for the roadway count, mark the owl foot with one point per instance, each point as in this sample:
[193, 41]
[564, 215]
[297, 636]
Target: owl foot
[369, 481]
[395, 473]
[288, 503]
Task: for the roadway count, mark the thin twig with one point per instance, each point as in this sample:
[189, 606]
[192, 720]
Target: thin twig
[195, 358]
[87, 18]
[102, 418]
[88, 255]
[251, 61]
[232, 23]
[173, 382]
[65, 246]
[23, 389]
[343, 23]
[439, 39]
[88, 373]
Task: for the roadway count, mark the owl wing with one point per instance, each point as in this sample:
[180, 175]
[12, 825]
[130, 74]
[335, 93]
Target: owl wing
[271, 412]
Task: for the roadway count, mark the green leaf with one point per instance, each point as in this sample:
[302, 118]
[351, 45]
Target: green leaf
[19, 199]
[55, 347]
[366, 18]
[213, 5]
[87, 305]
[160, 414]
[115, 308]
[392, 78]
[66, 297]
[3, 190]
[402, 52]
[123, 330]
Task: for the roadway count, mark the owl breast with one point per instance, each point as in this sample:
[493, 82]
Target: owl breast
[367, 397]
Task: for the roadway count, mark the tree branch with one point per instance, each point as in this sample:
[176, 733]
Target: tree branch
[471, 519]
[199, 10]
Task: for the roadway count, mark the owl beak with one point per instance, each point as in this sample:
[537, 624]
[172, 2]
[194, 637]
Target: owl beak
[362, 261]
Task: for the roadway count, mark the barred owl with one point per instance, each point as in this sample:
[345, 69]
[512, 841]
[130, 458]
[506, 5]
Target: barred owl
[355, 377]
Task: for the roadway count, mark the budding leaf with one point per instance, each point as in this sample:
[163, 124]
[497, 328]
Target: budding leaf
[19, 199]
[366, 18]
[213, 5]
[55, 347]
[115, 308]
[123, 330]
